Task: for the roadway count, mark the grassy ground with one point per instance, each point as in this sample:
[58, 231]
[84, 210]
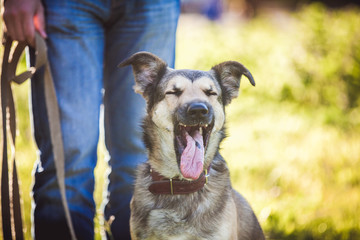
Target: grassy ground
[294, 140]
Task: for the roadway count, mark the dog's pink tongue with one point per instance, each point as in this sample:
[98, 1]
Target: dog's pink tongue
[192, 158]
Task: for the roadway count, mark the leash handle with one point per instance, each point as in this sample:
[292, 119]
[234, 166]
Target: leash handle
[12, 217]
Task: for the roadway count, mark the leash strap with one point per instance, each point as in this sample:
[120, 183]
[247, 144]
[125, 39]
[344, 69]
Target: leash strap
[10, 200]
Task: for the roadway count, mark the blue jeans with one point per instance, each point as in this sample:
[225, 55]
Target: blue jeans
[86, 42]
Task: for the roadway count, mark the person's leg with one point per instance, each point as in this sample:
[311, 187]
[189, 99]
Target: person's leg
[75, 51]
[134, 26]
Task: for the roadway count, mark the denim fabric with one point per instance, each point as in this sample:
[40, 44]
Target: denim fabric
[86, 42]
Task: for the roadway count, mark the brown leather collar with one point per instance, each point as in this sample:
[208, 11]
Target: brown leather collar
[173, 186]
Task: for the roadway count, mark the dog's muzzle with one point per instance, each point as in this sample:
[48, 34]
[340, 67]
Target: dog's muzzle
[195, 113]
[194, 123]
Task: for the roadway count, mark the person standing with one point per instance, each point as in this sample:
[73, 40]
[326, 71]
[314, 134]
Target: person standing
[86, 41]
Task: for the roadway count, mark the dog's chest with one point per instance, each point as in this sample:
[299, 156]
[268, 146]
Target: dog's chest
[170, 224]
[173, 225]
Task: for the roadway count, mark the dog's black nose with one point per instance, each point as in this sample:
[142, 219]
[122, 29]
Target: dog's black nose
[197, 110]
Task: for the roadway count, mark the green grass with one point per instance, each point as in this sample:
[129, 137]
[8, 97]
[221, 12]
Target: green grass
[293, 142]
[293, 146]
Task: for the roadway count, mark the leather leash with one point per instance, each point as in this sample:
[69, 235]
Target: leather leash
[10, 197]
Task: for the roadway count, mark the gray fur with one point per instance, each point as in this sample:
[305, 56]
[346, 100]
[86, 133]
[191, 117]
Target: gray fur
[215, 212]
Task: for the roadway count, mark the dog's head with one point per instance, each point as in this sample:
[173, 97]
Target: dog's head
[185, 111]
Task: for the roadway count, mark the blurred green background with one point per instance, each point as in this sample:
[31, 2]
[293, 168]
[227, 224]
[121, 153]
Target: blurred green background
[293, 142]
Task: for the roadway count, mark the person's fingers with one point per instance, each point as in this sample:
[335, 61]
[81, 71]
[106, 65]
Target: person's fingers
[28, 29]
[40, 25]
[39, 21]
[22, 20]
[18, 30]
[11, 24]
[10, 31]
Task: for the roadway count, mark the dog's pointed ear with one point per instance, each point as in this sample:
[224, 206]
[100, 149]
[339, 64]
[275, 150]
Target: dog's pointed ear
[147, 68]
[229, 74]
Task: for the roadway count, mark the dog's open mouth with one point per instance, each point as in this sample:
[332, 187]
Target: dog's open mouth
[191, 143]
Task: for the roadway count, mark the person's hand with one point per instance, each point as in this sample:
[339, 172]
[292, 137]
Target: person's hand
[22, 18]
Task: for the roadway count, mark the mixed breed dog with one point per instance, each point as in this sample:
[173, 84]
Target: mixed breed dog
[184, 191]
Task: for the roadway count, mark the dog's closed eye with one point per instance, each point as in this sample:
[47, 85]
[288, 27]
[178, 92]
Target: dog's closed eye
[210, 92]
[177, 92]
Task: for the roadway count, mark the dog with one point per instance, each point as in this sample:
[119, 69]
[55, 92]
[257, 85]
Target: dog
[184, 191]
